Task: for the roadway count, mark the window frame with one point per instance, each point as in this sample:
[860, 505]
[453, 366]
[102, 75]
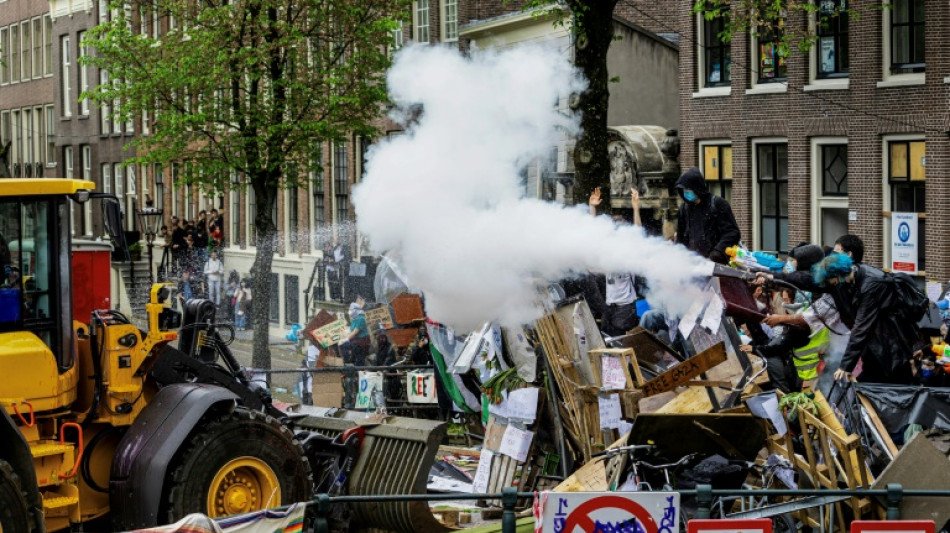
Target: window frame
[26, 51]
[888, 195]
[37, 42]
[449, 25]
[47, 45]
[420, 32]
[83, 103]
[341, 210]
[837, 37]
[5, 73]
[703, 51]
[820, 201]
[776, 83]
[65, 67]
[915, 65]
[757, 211]
[50, 136]
[720, 182]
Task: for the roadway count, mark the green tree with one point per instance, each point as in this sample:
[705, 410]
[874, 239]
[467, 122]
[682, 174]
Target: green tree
[245, 87]
[591, 24]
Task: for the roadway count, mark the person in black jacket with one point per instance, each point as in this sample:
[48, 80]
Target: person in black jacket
[705, 223]
[869, 305]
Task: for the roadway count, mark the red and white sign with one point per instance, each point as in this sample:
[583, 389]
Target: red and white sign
[756, 525]
[586, 512]
[893, 526]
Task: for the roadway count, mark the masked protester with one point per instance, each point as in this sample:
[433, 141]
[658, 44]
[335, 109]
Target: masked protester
[705, 223]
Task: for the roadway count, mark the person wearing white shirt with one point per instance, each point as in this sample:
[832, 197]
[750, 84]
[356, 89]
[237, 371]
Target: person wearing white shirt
[214, 273]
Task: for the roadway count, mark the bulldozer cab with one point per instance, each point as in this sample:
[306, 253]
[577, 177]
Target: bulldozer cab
[34, 253]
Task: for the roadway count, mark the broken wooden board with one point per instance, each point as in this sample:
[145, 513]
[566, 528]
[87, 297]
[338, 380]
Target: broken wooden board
[692, 400]
[686, 371]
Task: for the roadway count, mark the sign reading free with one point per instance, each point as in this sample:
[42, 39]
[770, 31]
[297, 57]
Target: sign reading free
[586, 512]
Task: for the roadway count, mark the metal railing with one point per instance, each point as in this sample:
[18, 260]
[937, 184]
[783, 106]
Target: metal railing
[705, 496]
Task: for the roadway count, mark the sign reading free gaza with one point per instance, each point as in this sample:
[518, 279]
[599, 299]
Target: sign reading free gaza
[626, 512]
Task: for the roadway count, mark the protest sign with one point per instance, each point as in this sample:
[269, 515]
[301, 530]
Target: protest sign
[369, 383]
[420, 387]
[379, 316]
[332, 333]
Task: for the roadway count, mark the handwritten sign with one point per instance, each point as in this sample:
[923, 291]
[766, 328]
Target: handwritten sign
[483, 473]
[612, 375]
[686, 370]
[610, 414]
[332, 333]
[519, 404]
[380, 315]
[647, 512]
[516, 442]
[369, 383]
[420, 387]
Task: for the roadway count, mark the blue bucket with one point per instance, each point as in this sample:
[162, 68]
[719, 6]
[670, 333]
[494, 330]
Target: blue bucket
[9, 305]
[642, 306]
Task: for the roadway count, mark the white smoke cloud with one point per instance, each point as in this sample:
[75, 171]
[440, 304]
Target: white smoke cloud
[446, 198]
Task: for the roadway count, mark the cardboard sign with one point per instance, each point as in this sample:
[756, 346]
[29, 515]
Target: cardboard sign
[904, 233]
[686, 370]
[574, 512]
[380, 315]
[370, 382]
[904, 526]
[483, 473]
[420, 387]
[756, 525]
[612, 376]
[610, 414]
[332, 333]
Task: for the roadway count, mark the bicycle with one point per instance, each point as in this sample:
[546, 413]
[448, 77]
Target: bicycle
[757, 507]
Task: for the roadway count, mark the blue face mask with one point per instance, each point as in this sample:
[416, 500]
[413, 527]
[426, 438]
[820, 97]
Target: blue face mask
[689, 195]
[789, 267]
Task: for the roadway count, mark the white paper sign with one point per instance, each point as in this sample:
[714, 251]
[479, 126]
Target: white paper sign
[625, 427]
[515, 443]
[518, 404]
[568, 512]
[612, 375]
[610, 413]
[482, 474]
[904, 242]
[713, 314]
[688, 322]
[766, 406]
[934, 290]
[420, 387]
[370, 382]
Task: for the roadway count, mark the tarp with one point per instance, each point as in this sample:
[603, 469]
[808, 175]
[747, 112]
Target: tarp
[900, 405]
[272, 521]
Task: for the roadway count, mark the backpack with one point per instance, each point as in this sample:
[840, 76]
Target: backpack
[910, 303]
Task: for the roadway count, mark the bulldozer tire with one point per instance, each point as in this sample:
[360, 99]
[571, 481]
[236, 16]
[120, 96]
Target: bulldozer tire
[14, 512]
[244, 461]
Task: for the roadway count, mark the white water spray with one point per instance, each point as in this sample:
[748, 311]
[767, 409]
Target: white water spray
[445, 200]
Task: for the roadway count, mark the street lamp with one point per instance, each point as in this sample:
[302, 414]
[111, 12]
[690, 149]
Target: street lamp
[150, 219]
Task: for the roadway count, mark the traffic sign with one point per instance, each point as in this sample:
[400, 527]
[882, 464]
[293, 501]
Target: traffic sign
[891, 526]
[628, 512]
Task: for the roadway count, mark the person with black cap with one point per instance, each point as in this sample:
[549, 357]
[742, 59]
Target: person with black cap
[705, 223]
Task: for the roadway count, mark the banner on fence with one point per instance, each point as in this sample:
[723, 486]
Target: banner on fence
[370, 382]
[574, 512]
[420, 387]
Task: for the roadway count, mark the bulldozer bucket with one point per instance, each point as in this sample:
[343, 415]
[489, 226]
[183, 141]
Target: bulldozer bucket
[395, 458]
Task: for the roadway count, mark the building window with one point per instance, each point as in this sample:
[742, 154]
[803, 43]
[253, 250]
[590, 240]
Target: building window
[291, 299]
[4, 56]
[50, 136]
[173, 190]
[26, 51]
[5, 129]
[293, 224]
[67, 63]
[105, 120]
[907, 180]
[37, 48]
[86, 155]
[14, 58]
[48, 45]
[716, 53]
[907, 35]
[341, 182]
[251, 216]
[28, 155]
[68, 162]
[771, 65]
[771, 169]
[83, 77]
[319, 207]
[832, 45]
[450, 12]
[274, 281]
[420, 31]
[106, 178]
[717, 168]
[830, 190]
[398, 37]
[159, 187]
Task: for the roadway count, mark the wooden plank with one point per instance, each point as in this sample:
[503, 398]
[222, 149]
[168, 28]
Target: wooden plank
[707, 383]
[692, 400]
[876, 420]
[685, 371]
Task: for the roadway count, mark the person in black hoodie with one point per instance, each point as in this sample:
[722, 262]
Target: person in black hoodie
[705, 223]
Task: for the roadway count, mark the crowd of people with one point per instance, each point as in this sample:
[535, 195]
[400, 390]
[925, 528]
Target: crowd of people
[828, 316]
[191, 243]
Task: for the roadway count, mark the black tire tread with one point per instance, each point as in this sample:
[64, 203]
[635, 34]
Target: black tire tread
[14, 510]
[211, 429]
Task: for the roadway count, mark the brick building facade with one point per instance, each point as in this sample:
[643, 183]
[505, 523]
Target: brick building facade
[819, 143]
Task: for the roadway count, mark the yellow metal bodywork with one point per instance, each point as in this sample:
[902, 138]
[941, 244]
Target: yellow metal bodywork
[30, 374]
[243, 485]
[43, 187]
